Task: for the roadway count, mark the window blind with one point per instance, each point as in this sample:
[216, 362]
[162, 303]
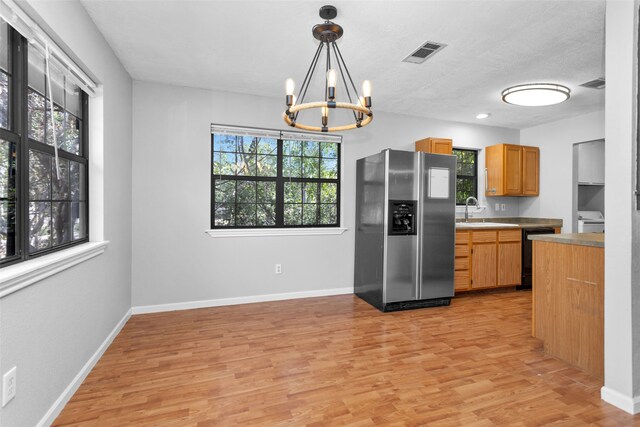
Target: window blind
[40, 40]
[272, 133]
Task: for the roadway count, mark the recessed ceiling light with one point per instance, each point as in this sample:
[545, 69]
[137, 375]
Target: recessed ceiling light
[482, 115]
[536, 94]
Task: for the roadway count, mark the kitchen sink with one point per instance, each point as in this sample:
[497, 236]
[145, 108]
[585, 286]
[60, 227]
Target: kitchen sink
[484, 224]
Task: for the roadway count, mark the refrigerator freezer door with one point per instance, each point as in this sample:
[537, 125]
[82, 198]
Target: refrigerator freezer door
[370, 228]
[437, 225]
[402, 250]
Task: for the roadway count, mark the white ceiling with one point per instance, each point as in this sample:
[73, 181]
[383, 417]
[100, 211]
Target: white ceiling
[253, 46]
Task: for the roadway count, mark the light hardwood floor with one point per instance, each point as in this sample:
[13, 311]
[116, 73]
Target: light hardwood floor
[338, 361]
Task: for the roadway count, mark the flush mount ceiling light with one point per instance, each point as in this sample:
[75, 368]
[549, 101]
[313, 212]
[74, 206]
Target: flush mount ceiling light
[327, 33]
[536, 94]
[483, 115]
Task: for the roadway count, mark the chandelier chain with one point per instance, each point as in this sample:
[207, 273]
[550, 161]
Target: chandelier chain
[346, 86]
[348, 73]
[310, 71]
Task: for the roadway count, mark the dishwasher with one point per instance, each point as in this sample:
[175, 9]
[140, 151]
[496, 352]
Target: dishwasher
[527, 255]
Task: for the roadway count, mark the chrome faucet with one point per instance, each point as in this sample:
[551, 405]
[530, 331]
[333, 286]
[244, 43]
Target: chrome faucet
[466, 207]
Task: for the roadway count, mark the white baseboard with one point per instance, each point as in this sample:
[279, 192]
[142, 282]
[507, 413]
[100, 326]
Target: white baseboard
[187, 305]
[62, 400]
[624, 402]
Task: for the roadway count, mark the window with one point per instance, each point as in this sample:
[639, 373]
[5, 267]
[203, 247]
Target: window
[466, 174]
[274, 180]
[43, 203]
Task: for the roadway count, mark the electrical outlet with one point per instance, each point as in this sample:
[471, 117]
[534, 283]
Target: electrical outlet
[497, 206]
[278, 268]
[8, 386]
[503, 207]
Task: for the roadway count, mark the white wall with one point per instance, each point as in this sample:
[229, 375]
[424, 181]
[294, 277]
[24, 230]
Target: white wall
[556, 164]
[175, 261]
[51, 328]
[622, 240]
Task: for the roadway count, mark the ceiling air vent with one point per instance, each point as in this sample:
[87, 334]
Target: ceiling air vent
[425, 51]
[598, 83]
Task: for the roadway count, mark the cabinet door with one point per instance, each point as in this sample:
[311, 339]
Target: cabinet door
[598, 163]
[493, 163]
[584, 163]
[441, 146]
[509, 263]
[435, 145]
[530, 171]
[461, 280]
[483, 265]
[513, 170]
[591, 163]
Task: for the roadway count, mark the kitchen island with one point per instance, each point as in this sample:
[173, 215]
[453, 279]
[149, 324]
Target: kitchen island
[568, 298]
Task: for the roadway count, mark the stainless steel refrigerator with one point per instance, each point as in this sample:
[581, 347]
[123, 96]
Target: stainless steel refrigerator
[405, 229]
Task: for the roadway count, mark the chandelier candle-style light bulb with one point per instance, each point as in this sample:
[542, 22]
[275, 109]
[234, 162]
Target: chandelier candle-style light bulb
[328, 59]
[332, 78]
[290, 87]
[366, 92]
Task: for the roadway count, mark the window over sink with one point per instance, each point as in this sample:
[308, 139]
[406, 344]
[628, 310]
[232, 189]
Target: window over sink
[466, 174]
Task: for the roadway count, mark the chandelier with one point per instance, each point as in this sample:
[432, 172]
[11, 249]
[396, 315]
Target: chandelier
[327, 33]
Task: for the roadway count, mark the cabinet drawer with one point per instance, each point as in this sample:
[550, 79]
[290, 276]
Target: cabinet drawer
[462, 237]
[462, 263]
[462, 251]
[484, 236]
[462, 280]
[510, 235]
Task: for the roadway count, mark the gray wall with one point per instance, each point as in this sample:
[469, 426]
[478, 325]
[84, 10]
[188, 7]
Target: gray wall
[556, 164]
[175, 261]
[51, 328]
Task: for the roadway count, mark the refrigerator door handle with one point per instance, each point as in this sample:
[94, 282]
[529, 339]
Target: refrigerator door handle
[419, 186]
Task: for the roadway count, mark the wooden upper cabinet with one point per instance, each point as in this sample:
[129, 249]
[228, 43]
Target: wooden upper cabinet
[512, 170]
[530, 171]
[435, 145]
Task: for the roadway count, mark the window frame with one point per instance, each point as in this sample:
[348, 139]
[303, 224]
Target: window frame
[279, 181]
[19, 135]
[467, 177]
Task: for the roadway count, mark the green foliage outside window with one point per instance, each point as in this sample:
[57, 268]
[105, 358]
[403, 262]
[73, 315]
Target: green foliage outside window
[254, 186]
[466, 174]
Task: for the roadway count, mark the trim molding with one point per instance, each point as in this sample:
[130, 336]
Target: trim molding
[622, 401]
[187, 305]
[19, 276]
[258, 232]
[73, 386]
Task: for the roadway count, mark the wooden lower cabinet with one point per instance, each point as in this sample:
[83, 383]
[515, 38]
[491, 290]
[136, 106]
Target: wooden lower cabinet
[509, 257]
[509, 264]
[462, 279]
[488, 259]
[483, 262]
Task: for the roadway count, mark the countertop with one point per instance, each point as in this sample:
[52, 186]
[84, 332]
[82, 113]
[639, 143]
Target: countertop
[507, 222]
[581, 239]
